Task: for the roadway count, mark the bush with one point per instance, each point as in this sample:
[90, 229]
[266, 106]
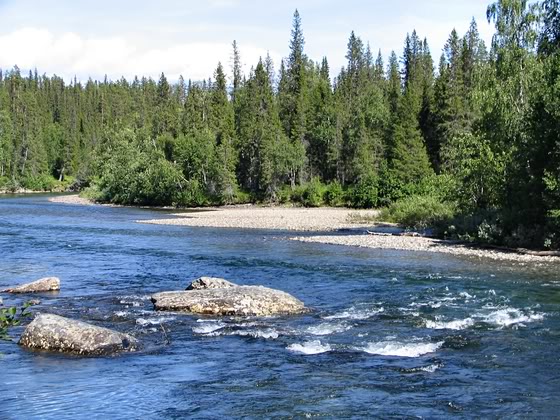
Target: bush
[334, 194]
[419, 212]
[296, 194]
[93, 193]
[284, 195]
[12, 317]
[41, 183]
[313, 193]
[365, 193]
[192, 195]
[242, 197]
[443, 187]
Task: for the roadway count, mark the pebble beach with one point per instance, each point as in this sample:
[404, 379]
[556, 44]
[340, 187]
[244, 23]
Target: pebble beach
[323, 220]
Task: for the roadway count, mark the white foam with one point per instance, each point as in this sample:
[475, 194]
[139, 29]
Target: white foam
[327, 328]
[122, 314]
[357, 314]
[208, 327]
[466, 295]
[266, 334]
[459, 324]
[134, 300]
[154, 321]
[218, 330]
[430, 369]
[310, 347]
[510, 316]
[395, 348]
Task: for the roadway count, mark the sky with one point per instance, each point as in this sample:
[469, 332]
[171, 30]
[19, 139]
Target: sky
[83, 39]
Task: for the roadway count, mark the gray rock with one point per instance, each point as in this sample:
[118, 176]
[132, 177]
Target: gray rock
[58, 334]
[204, 283]
[233, 301]
[48, 284]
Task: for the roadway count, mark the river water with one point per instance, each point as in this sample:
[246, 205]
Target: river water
[391, 333]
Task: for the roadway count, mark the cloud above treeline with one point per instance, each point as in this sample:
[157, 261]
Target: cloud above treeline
[70, 54]
[186, 37]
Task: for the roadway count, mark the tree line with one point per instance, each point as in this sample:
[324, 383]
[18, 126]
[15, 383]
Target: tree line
[474, 138]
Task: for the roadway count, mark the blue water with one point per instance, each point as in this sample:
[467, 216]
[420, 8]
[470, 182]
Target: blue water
[391, 333]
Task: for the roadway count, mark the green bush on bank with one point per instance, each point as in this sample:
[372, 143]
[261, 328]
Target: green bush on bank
[334, 195]
[419, 212]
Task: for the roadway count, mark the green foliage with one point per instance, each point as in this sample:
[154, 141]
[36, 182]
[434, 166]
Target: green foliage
[11, 317]
[313, 193]
[334, 195]
[481, 136]
[192, 195]
[365, 194]
[39, 183]
[419, 212]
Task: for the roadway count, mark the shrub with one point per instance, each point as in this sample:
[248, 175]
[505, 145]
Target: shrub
[334, 194]
[365, 193]
[284, 195]
[192, 195]
[40, 183]
[296, 194]
[11, 317]
[242, 197]
[313, 193]
[419, 212]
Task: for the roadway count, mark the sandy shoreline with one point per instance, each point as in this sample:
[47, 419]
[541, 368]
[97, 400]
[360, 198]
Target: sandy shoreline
[72, 199]
[275, 218]
[406, 243]
[321, 220]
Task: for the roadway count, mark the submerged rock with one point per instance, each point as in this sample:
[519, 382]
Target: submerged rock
[58, 334]
[47, 284]
[204, 283]
[231, 301]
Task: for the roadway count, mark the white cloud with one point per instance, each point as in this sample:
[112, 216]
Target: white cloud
[70, 54]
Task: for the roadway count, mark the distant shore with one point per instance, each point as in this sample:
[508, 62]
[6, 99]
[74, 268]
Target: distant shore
[422, 244]
[297, 219]
[72, 199]
[275, 218]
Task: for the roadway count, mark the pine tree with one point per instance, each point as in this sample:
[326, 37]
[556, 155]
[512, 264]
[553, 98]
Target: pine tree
[321, 128]
[409, 163]
[222, 123]
[293, 92]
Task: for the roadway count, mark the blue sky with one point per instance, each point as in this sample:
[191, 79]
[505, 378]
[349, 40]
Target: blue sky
[127, 38]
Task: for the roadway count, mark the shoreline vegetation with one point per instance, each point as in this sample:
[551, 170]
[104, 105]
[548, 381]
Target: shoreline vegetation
[374, 234]
[469, 148]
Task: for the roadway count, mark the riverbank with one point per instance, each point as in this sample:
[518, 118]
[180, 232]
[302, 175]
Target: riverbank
[324, 220]
[407, 243]
[72, 199]
[275, 218]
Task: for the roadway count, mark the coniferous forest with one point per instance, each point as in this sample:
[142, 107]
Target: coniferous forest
[468, 142]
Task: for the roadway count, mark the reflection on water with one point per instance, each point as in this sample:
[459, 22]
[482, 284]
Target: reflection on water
[391, 333]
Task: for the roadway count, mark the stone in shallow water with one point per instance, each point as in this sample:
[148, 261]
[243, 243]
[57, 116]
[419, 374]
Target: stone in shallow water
[204, 283]
[58, 334]
[47, 284]
[232, 301]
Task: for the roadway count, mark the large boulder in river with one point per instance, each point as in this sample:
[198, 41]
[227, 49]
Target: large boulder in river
[58, 334]
[231, 301]
[48, 284]
[204, 283]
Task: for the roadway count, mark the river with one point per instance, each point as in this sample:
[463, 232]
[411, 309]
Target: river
[392, 333]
